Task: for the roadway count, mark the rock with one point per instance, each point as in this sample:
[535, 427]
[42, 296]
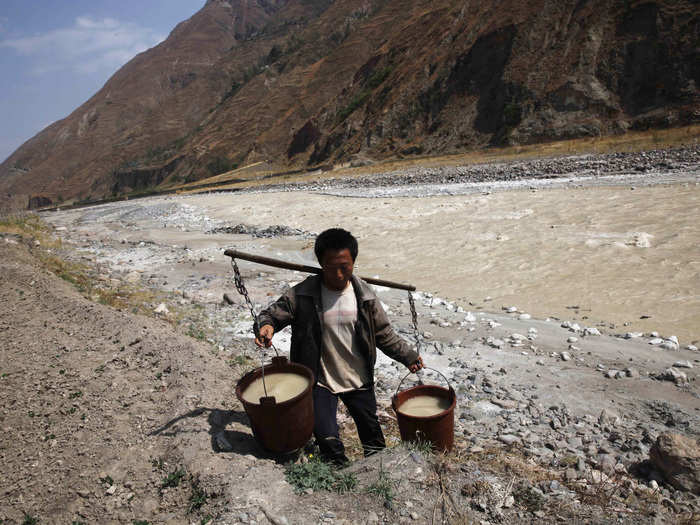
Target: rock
[656, 341]
[673, 339]
[565, 356]
[494, 343]
[508, 404]
[612, 373]
[692, 348]
[572, 339]
[470, 317]
[524, 317]
[414, 515]
[111, 490]
[132, 277]
[632, 372]
[508, 439]
[633, 335]
[668, 345]
[372, 517]
[483, 409]
[608, 417]
[591, 331]
[510, 309]
[683, 364]
[161, 309]
[606, 463]
[677, 457]
[671, 374]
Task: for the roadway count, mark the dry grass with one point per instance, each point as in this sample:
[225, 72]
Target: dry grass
[258, 174]
[117, 294]
[28, 226]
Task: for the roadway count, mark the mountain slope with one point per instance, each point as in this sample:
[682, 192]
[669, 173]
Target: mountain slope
[309, 82]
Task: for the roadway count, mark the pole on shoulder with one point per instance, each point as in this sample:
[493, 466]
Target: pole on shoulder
[235, 254]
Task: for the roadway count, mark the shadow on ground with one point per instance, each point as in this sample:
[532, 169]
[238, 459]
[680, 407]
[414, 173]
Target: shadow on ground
[225, 440]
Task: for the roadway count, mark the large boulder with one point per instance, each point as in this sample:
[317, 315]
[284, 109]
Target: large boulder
[678, 458]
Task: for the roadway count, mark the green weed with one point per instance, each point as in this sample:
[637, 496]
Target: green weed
[29, 520]
[198, 497]
[420, 446]
[173, 479]
[383, 487]
[196, 333]
[319, 475]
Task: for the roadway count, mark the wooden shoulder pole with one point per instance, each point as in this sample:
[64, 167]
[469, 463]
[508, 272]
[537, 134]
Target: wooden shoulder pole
[235, 254]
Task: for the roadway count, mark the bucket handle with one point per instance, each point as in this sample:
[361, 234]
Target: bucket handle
[424, 368]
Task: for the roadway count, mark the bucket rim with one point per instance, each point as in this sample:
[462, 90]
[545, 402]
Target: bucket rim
[452, 396]
[273, 369]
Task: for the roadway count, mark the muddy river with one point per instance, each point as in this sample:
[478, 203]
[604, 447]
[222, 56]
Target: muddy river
[619, 255]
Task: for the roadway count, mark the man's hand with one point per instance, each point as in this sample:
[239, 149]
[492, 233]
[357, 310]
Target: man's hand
[265, 334]
[417, 365]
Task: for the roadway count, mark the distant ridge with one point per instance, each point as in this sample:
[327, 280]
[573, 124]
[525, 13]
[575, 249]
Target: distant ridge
[302, 83]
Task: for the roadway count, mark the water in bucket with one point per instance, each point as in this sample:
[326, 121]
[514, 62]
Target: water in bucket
[282, 386]
[423, 406]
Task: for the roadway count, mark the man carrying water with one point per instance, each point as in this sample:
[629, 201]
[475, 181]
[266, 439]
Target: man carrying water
[337, 324]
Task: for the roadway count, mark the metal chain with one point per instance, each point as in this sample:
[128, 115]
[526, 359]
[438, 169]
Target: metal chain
[416, 333]
[414, 319]
[240, 286]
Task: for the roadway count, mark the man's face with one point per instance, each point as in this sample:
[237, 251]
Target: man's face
[337, 266]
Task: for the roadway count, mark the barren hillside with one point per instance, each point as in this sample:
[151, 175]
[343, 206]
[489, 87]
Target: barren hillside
[312, 82]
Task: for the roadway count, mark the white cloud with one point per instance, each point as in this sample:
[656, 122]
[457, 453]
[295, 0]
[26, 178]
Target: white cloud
[88, 46]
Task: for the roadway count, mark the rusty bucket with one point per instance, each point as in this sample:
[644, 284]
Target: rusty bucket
[437, 429]
[280, 427]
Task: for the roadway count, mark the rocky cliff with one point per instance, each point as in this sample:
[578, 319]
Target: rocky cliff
[309, 82]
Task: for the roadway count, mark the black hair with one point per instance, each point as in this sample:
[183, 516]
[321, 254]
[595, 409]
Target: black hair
[335, 239]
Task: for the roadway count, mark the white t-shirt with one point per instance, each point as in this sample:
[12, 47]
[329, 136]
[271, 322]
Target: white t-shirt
[343, 367]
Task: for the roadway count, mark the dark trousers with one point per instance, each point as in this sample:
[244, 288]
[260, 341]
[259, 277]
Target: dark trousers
[362, 406]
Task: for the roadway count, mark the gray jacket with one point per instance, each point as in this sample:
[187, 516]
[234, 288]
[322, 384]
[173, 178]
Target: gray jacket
[301, 307]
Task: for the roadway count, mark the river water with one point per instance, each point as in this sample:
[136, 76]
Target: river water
[626, 258]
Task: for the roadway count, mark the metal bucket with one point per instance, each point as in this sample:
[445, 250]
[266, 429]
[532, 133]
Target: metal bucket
[280, 427]
[437, 429]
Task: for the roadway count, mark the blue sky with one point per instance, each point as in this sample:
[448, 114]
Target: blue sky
[55, 54]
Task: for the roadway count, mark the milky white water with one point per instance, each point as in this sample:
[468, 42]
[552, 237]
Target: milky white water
[424, 406]
[281, 385]
[616, 253]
